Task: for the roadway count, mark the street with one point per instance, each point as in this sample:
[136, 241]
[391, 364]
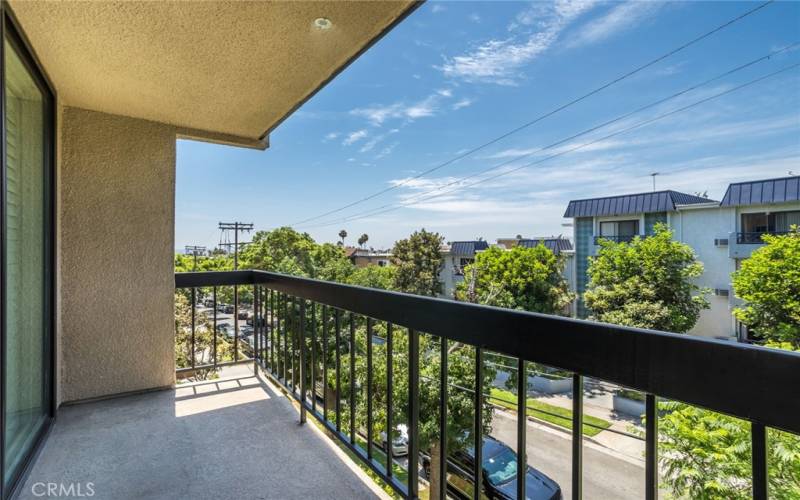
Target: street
[550, 451]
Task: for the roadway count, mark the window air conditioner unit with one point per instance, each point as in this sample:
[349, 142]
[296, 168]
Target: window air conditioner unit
[721, 292]
[720, 242]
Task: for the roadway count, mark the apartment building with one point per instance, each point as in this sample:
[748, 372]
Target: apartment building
[722, 234]
[455, 256]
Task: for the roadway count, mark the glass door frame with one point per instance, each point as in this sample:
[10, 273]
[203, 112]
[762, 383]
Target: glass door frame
[10, 29]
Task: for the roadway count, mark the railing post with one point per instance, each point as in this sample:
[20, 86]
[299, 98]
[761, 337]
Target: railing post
[369, 388]
[442, 418]
[352, 400]
[522, 427]
[256, 332]
[324, 362]
[303, 387]
[577, 436]
[651, 447]
[235, 323]
[194, 306]
[338, 339]
[214, 340]
[313, 356]
[389, 395]
[413, 414]
[758, 435]
[478, 431]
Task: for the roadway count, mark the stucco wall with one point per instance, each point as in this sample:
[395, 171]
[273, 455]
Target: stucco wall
[116, 232]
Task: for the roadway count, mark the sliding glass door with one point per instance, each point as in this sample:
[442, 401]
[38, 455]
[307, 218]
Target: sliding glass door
[26, 256]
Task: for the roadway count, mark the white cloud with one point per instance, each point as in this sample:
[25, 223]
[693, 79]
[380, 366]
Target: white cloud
[369, 145]
[620, 18]
[331, 136]
[354, 137]
[462, 103]
[437, 7]
[429, 106]
[474, 17]
[386, 151]
[500, 61]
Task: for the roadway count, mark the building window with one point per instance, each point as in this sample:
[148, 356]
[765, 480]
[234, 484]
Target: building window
[755, 225]
[623, 230]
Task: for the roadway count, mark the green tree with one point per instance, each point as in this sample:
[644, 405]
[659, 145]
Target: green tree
[530, 279]
[418, 259]
[381, 277]
[203, 352]
[647, 283]
[769, 284]
[363, 239]
[342, 235]
[707, 455]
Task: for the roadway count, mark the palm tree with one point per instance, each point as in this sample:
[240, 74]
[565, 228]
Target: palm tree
[342, 235]
[362, 239]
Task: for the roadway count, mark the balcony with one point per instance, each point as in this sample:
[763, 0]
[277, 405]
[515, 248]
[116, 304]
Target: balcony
[746, 242]
[622, 238]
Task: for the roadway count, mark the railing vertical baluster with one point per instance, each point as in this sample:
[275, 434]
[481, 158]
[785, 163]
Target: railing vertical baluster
[577, 436]
[272, 334]
[651, 447]
[325, 362]
[477, 470]
[262, 323]
[413, 414]
[522, 427]
[214, 339]
[338, 315]
[369, 387]
[352, 378]
[303, 386]
[389, 406]
[285, 341]
[256, 333]
[758, 435]
[313, 357]
[442, 418]
[235, 323]
[194, 306]
[290, 332]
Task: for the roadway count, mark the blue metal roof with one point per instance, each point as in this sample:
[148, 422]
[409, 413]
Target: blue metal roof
[656, 201]
[467, 247]
[781, 190]
[556, 245]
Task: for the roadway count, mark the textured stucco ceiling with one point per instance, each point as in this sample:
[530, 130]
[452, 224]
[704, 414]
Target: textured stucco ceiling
[224, 67]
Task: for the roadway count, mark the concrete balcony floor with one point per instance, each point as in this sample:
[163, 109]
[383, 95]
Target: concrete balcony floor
[236, 437]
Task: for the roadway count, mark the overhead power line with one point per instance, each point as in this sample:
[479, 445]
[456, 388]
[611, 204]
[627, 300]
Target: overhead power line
[570, 150]
[691, 88]
[541, 117]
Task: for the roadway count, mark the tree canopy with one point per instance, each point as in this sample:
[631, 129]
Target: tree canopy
[769, 284]
[646, 283]
[418, 259]
[521, 278]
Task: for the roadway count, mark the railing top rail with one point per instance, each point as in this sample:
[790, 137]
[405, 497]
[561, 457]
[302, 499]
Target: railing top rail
[751, 382]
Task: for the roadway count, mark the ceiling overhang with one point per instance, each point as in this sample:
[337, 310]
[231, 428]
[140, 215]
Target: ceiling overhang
[222, 71]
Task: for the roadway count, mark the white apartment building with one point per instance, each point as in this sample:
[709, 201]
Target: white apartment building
[722, 234]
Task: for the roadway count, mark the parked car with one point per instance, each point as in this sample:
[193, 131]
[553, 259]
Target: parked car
[499, 474]
[399, 443]
[243, 314]
[228, 309]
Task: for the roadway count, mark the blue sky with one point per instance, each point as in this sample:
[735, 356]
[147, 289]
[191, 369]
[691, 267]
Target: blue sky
[454, 75]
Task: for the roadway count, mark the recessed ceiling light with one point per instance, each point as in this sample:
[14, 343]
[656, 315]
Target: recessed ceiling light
[323, 23]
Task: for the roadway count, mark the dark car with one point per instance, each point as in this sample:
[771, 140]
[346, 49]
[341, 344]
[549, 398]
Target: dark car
[499, 474]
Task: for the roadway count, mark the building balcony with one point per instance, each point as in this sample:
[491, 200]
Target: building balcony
[622, 238]
[742, 244]
[315, 350]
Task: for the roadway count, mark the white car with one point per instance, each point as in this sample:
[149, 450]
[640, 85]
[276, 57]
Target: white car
[399, 443]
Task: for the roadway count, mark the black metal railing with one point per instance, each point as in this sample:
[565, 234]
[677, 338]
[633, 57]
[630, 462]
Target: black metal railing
[754, 238]
[299, 322]
[623, 238]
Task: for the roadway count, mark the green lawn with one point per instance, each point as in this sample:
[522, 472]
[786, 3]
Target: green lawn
[557, 415]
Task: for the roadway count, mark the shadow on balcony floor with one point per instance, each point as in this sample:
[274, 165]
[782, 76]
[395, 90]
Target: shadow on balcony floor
[232, 438]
